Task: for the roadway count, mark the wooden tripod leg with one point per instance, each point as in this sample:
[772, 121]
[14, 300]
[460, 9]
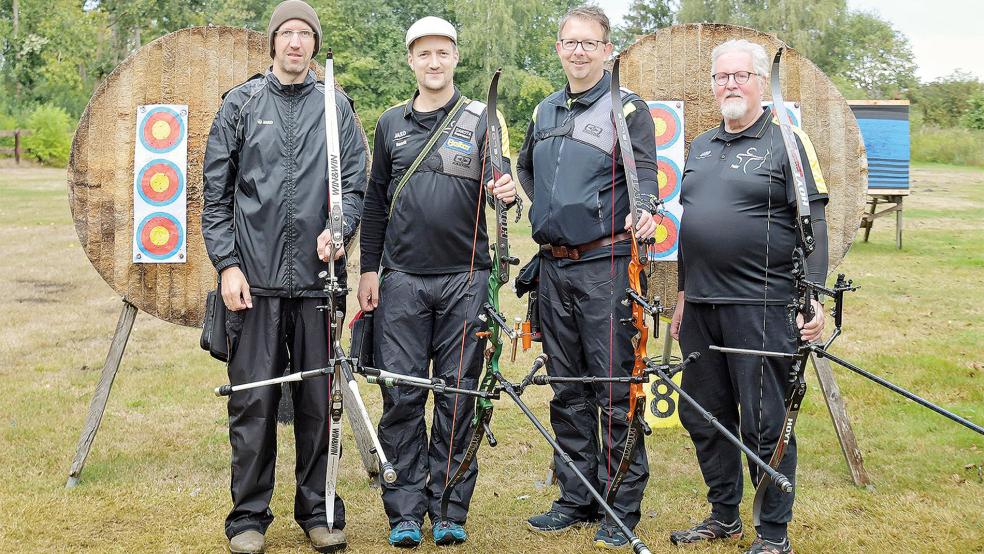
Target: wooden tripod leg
[842, 424]
[871, 218]
[101, 396]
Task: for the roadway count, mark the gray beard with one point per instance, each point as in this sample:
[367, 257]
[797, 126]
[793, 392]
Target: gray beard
[733, 110]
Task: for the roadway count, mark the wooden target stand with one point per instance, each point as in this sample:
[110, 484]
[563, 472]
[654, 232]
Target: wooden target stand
[674, 64]
[193, 66]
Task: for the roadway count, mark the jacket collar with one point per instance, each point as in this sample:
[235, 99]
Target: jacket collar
[408, 107]
[588, 97]
[293, 89]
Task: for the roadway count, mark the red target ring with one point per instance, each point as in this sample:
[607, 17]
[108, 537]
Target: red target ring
[161, 130]
[667, 232]
[668, 178]
[160, 182]
[160, 235]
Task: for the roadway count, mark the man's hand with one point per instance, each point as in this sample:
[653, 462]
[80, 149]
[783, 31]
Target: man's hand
[504, 189]
[646, 227]
[325, 247]
[369, 291]
[811, 330]
[677, 317]
[235, 289]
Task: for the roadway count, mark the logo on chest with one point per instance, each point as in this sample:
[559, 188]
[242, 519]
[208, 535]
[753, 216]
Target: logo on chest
[593, 130]
[751, 160]
[458, 145]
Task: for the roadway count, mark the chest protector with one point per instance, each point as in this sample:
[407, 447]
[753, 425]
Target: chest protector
[459, 155]
[593, 126]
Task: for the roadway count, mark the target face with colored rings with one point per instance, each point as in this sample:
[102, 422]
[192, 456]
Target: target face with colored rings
[160, 182]
[668, 177]
[668, 125]
[160, 235]
[667, 231]
[161, 130]
[792, 115]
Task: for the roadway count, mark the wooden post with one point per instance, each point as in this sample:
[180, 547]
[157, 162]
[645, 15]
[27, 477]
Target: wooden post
[898, 224]
[869, 221]
[98, 405]
[17, 146]
[842, 424]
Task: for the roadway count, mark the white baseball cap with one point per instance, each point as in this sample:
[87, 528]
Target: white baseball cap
[431, 26]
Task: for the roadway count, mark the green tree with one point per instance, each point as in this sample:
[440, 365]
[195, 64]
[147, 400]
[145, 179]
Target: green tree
[973, 118]
[945, 101]
[870, 55]
[644, 17]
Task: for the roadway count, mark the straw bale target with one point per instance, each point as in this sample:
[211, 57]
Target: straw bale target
[193, 66]
[675, 64]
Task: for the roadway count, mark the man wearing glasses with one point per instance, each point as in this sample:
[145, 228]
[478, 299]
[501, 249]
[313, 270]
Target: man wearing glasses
[736, 288]
[264, 217]
[570, 168]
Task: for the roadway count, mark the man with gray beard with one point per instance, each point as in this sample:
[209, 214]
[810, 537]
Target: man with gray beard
[737, 238]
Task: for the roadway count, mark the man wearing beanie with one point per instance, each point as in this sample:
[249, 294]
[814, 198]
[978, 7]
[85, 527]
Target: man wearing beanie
[422, 231]
[264, 219]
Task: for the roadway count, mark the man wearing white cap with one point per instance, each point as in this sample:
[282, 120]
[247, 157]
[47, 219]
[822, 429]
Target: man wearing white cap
[423, 226]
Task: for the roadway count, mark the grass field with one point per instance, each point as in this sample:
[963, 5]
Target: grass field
[158, 475]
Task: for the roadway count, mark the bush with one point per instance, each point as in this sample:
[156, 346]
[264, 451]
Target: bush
[948, 145]
[50, 140]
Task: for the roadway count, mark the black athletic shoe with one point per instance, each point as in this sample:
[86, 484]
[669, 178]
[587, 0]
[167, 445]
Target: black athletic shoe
[708, 530]
[762, 546]
[554, 522]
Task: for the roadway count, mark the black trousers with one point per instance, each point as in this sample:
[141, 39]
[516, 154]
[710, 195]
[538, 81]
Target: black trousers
[746, 394]
[580, 311]
[277, 333]
[422, 319]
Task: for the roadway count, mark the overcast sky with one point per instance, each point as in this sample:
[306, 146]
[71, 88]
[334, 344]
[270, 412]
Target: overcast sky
[945, 34]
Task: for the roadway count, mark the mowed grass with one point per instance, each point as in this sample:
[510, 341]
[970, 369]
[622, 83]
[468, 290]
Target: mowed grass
[158, 475]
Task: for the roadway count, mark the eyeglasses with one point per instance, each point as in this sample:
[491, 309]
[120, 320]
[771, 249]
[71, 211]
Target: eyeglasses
[586, 45]
[288, 34]
[741, 77]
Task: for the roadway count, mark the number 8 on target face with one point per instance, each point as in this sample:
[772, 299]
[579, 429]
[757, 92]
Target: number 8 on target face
[662, 410]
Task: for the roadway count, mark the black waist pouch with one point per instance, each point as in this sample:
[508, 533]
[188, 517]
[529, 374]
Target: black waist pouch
[214, 339]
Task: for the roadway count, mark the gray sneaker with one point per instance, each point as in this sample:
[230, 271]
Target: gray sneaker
[708, 530]
[247, 542]
[325, 540]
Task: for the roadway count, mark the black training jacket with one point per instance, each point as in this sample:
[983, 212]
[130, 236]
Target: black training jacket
[266, 183]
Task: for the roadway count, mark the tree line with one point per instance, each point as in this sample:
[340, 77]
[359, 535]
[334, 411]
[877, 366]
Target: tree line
[53, 53]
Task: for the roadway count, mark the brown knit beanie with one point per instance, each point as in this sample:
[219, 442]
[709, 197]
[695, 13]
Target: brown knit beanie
[294, 9]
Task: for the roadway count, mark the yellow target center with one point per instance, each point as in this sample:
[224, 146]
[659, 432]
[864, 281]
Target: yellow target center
[661, 179]
[661, 234]
[160, 130]
[660, 126]
[159, 182]
[159, 236]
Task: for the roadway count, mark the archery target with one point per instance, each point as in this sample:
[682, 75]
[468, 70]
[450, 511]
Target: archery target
[667, 233]
[792, 108]
[669, 125]
[161, 129]
[160, 234]
[668, 177]
[160, 168]
[160, 182]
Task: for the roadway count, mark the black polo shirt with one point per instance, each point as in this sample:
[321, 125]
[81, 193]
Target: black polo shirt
[738, 228]
[433, 225]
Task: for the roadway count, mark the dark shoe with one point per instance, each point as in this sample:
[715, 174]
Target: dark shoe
[406, 534]
[610, 536]
[247, 542]
[762, 546]
[325, 540]
[708, 530]
[448, 532]
[554, 522]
